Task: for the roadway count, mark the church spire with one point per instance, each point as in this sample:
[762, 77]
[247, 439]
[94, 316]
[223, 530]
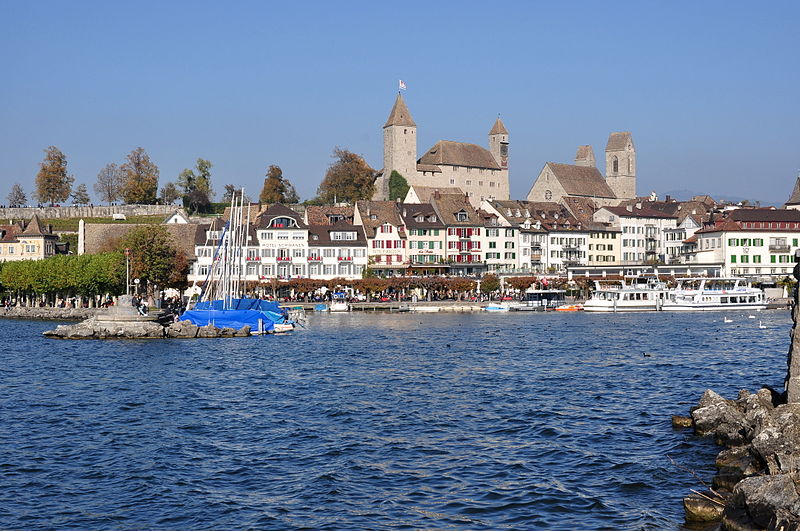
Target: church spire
[400, 114]
[498, 128]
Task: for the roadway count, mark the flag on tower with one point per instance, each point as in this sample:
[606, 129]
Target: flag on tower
[402, 85]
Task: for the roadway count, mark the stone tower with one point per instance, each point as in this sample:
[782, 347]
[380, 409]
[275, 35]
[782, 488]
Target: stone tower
[585, 157]
[400, 142]
[498, 143]
[621, 165]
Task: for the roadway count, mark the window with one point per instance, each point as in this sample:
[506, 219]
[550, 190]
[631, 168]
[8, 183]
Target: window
[733, 259]
[615, 165]
[462, 216]
[548, 195]
[452, 181]
[343, 235]
[469, 183]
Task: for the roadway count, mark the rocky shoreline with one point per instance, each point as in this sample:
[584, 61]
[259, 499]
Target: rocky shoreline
[758, 472]
[94, 328]
[47, 313]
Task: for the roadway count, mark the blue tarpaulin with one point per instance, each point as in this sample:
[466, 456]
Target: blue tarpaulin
[246, 312]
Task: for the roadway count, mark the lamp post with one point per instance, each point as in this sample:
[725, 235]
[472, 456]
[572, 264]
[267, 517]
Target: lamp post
[127, 271]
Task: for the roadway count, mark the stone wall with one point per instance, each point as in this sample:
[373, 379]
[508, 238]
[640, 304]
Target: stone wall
[87, 211]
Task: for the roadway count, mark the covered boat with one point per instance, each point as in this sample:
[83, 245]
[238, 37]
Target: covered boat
[261, 316]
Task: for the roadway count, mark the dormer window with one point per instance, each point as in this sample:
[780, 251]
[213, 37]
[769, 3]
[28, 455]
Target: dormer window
[282, 223]
[333, 218]
[420, 218]
[343, 235]
[432, 219]
[373, 216]
[462, 216]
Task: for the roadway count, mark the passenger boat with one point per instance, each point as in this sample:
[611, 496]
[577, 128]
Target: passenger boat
[714, 293]
[339, 302]
[541, 300]
[617, 296]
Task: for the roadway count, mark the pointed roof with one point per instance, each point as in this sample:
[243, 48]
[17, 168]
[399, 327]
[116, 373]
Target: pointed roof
[795, 198]
[400, 114]
[581, 180]
[34, 227]
[619, 141]
[498, 128]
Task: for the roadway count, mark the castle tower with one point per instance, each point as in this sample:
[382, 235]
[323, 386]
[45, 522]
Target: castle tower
[498, 143]
[400, 142]
[585, 157]
[621, 165]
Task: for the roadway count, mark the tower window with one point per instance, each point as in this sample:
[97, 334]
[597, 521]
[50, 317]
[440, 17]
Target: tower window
[630, 164]
[615, 165]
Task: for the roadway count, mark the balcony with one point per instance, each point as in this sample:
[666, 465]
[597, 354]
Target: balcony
[315, 259]
[253, 259]
[779, 248]
[284, 259]
[345, 258]
[536, 257]
[571, 247]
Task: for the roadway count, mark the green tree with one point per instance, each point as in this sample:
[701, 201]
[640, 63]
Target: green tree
[109, 182]
[139, 178]
[274, 189]
[53, 184]
[154, 259]
[81, 195]
[16, 197]
[489, 283]
[398, 186]
[169, 193]
[196, 186]
[348, 179]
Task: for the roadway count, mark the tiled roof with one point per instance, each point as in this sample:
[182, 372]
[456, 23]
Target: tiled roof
[583, 208]
[449, 205]
[275, 211]
[320, 215]
[765, 214]
[34, 228]
[618, 141]
[8, 233]
[411, 211]
[585, 153]
[320, 235]
[459, 154]
[426, 193]
[400, 114]
[429, 167]
[643, 212]
[581, 180]
[383, 211]
[498, 128]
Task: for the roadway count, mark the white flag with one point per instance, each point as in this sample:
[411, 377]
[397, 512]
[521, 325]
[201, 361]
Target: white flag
[402, 85]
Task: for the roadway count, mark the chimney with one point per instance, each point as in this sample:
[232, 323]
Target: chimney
[629, 208]
[466, 197]
[639, 206]
[668, 199]
[405, 213]
[436, 194]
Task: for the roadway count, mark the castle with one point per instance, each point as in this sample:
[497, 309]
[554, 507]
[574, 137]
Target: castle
[479, 172]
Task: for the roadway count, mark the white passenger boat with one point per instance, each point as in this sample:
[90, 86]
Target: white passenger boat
[339, 302]
[714, 293]
[618, 296]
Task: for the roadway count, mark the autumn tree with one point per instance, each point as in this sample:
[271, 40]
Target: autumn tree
[155, 260]
[109, 183]
[291, 196]
[489, 283]
[139, 178]
[348, 179]
[274, 189]
[53, 184]
[16, 197]
[169, 193]
[196, 185]
[398, 186]
[81, 195]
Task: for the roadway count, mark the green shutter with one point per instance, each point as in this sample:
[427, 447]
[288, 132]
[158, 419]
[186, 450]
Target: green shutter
[733, 259]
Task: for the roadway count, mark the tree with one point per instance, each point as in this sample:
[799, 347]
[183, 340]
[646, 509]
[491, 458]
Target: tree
[274, 189]
[109, 182]
[154, 259]
[489, 283]
[196, 187]
[291, 196]
[53, 184]
[348, 179]
[81, 195]
[139, 178]
[169, 193]
[398, 186]
[16, 197]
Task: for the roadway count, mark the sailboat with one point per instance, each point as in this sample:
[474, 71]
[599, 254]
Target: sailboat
[220, 302]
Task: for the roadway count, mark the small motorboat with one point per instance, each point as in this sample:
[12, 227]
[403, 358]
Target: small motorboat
[497, 307]
[570, 308]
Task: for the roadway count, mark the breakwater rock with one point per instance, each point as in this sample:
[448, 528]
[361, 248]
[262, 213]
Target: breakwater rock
[757, 485]
[48, 313]
[101, 329]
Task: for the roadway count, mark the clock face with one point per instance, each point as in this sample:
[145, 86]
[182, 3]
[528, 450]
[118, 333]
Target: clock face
[548, 195]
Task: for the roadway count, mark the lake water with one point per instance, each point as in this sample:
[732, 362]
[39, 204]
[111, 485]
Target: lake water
[366, 421]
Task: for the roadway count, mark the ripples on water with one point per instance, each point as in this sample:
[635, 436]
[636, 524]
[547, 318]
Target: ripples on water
[514, 421]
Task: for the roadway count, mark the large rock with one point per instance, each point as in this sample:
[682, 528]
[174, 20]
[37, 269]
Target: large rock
[701, 508]
[778, 444]
[722, 418]
[182, 330]
[766, 500]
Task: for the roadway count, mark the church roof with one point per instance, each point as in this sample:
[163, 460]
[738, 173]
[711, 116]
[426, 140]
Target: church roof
[795, 198]
[459, 154]
[584, 152]
[581, 180]
[498, 128]
[618, 141]
[400, 114]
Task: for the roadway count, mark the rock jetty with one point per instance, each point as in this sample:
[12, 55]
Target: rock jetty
[757, 485]
[48, 313]
[124, 321]
[99, 329]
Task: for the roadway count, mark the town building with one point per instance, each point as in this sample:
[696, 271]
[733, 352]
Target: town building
[427, 239]
[481, 173]
[337, 248]
[31, 241]
[386, 236]
[465, 228]
[642, 231]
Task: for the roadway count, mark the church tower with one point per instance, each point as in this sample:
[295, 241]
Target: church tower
[585, 157]
[621, 165]
[498, 143]
[400, 142]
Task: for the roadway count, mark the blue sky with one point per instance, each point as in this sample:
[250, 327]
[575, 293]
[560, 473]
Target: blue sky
[708, 89]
